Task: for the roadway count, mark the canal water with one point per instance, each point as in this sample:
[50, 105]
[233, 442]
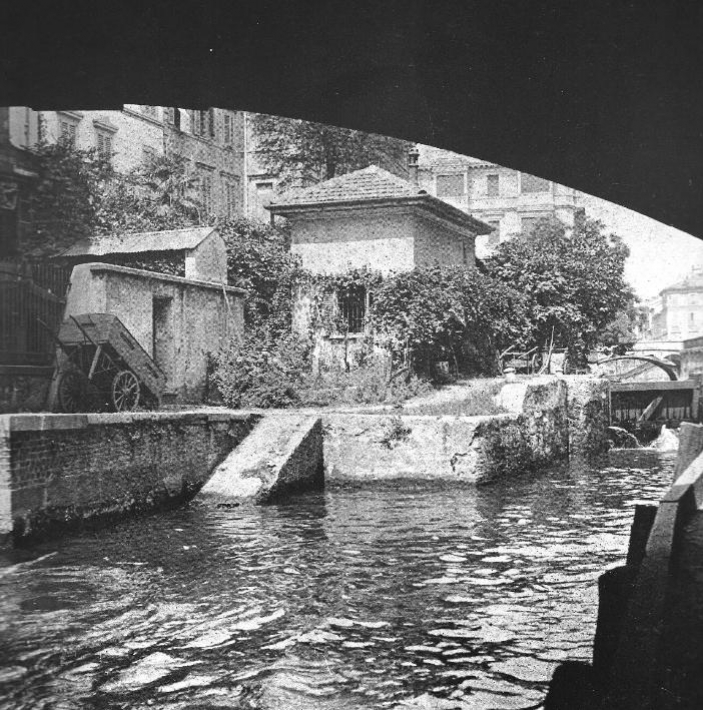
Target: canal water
[370, 597]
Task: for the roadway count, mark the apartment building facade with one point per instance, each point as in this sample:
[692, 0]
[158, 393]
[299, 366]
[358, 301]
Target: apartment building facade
[212, 140]
[679, 311]
[508, 200]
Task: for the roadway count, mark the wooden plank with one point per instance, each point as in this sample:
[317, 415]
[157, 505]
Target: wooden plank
[653, 386]
[650, 409]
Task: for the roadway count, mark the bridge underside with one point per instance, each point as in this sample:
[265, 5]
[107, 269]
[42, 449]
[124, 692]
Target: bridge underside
[603, 99]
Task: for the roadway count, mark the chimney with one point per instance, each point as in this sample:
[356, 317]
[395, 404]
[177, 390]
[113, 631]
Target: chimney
[413, 169]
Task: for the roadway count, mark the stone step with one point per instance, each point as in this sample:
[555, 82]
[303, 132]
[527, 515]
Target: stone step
[281, 455]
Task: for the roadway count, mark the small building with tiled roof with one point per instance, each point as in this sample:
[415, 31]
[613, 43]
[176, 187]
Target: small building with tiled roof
[197, 253]
[372, 218]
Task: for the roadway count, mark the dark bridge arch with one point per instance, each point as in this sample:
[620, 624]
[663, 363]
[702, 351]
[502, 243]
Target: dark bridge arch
[603, 99]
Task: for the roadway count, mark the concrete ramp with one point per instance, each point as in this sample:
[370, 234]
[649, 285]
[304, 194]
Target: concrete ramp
[282, 454]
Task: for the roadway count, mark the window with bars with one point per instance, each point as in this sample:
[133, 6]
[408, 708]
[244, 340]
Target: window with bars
[530, 183]
[352, 308]
[492, 185]
[450, 185]
[68, 132]
[104, 145]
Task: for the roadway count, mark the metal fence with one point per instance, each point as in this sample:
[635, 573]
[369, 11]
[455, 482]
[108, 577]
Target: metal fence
[32, 300]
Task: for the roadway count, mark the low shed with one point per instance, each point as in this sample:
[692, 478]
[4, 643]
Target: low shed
[193, 253]
[178, 321]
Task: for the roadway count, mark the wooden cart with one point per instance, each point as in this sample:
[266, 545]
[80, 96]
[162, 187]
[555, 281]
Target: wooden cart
[100, 366]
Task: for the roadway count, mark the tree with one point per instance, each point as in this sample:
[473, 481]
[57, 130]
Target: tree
[158, 194]
[259, 260]
[65, 200]
[448, 313]
[304, 153]
[573, 279]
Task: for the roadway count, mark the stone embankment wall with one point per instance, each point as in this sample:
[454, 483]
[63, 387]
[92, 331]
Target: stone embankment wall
[62, 469]
[548, 419]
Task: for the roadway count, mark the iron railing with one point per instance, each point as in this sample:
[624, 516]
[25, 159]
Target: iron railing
[32, 300]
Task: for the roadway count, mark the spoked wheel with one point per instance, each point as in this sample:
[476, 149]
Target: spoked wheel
[125, 391]
[70, 391]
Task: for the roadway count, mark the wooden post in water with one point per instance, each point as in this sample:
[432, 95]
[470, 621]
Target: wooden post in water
[690, 445]
[637, 662]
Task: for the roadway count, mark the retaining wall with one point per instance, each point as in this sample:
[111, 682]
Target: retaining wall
[62, 469]
[452, 448]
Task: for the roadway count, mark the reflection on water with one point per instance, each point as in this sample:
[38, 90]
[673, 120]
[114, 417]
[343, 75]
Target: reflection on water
[361, 597]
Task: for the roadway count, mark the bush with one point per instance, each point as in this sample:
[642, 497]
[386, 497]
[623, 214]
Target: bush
[259, 261]
[449, 314]
[262, 370]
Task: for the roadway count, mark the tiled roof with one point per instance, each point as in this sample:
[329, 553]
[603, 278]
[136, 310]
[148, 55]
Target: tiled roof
[135, 242]
[372, 183]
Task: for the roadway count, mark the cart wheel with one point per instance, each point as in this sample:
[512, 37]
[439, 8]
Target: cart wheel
[70, 391]
[125, 391]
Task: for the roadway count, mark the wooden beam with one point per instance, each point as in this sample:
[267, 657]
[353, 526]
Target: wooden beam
[650, 409]
[653, 386]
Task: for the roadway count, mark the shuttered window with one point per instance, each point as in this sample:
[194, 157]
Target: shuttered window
[104, 145]
[68, 133]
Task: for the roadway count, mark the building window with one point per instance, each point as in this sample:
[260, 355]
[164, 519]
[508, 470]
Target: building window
[206, 193]
[229, 128]
[27, 126]
[104, 144]
[492, 185]
[202, 123]
[173, 116]
[195, 123]
[450, 185]
[352, 308]
[68, 132]
[530, 183]
[232, 196]
[494, 236]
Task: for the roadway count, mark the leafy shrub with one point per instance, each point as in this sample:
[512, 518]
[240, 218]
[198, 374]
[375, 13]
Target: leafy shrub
[262, 370]
[259, 261]
[369, 384]
[436, 314]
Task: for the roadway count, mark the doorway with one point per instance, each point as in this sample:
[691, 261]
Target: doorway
[163, 336]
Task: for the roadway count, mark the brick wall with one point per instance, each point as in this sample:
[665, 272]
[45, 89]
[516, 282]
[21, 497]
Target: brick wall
[61, 470]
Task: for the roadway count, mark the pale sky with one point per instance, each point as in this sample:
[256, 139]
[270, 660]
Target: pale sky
[659, 255]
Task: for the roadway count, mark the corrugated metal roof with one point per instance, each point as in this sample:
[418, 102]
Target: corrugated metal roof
[136, 242]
